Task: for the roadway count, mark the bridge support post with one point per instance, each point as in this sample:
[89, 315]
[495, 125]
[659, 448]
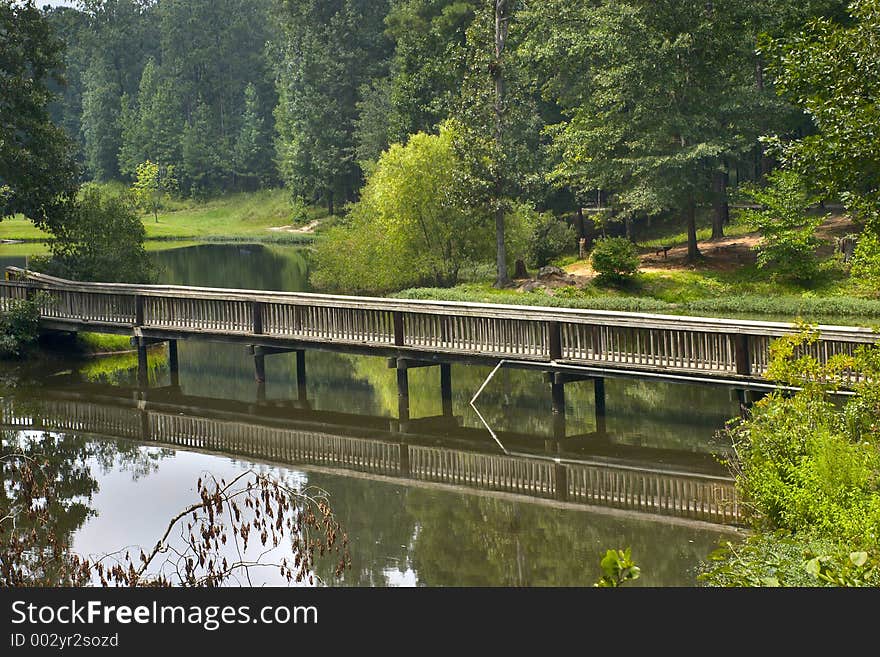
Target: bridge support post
[260, 367]
[145, 426]
[173, 364]
[557, 393]
[143, 367]
[405, 470]
[742, 355]
[402, 395]
[561, 474]
[301, 391]
[446, 388]
[599, 393]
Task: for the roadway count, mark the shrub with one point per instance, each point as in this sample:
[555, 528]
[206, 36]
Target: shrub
[102, 240]
[806, 470]
[19, 326]
[865, 268]
[614, 259]
[549, 239]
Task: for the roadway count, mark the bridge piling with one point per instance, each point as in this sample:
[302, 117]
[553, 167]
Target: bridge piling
[599, 395]
[143, 367]
[446, 388]
[402, 396]
[260, 367]
[557, 394]
[173, 364]
[301, 390]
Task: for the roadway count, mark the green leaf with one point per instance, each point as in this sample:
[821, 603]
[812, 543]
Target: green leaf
[858, 558]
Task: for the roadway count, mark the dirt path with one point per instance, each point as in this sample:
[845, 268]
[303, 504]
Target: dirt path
[307, 229]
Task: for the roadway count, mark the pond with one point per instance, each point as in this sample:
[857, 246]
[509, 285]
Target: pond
[137, 455]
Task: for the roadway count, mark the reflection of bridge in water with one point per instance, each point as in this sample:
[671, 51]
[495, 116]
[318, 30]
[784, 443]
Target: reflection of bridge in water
[426, 450]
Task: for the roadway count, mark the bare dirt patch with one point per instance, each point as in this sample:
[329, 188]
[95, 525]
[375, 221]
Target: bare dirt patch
[727, 254]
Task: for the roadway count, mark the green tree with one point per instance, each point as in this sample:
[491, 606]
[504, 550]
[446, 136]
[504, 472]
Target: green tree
[330, 48]
[828, 70]
[202, 153]
[253, 148]
[100, 121]
[666, 96]
[119, 38]
[787, 228]
[499, 121]
[407, 228]
[37, 169]
[153, 183]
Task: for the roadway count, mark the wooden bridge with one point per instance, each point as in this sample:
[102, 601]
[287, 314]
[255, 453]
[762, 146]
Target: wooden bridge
[424, 332]
[354, 446]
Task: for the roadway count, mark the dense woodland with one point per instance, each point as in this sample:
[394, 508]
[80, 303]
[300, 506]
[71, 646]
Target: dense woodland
[646, 109]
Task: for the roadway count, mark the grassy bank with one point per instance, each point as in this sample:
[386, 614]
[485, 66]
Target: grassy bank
[232, 217]
[846, 309]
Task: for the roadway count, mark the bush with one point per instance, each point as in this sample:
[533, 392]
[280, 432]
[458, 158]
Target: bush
[19, 327]
[549, 239]
[101, 240]
[806, 471]
[865, 268]
[614, 259]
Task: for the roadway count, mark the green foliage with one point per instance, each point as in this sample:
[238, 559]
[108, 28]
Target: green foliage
[780, 559]
[828, 70]
[19, 326]
[865, 267]
[329, 49]
[788, 231]
[615, 259]
[103, 240]
[153, 185]
[202, 156]
[655, 98]
[252, 155]
[619, 568]
[809, 467]
[407, 228]
[37, 170]
[549, 239]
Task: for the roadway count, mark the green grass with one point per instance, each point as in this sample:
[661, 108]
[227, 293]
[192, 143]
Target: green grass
[231, 217]
[746, 293]
[102, 343]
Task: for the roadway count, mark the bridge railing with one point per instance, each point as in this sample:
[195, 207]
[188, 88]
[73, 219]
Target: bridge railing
[697, 345]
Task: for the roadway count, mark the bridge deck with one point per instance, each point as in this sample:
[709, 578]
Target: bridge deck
[691, 346]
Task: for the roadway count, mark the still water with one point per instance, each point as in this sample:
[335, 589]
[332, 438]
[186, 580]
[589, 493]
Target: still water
[404, 530]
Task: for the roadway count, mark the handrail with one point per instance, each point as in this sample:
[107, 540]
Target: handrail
[461, 308]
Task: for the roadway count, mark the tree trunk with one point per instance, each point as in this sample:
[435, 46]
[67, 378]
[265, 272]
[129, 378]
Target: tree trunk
[579, 222]
[502, 279]
[691, 215]
[501, 28]
[628, 227]
[720, 206]
[330, 203]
